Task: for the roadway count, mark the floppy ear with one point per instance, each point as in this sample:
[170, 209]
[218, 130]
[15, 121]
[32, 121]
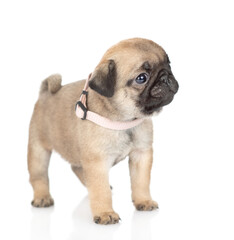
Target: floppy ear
[103, 79]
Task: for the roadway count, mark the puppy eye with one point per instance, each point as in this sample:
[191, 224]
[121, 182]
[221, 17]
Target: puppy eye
[142, 78]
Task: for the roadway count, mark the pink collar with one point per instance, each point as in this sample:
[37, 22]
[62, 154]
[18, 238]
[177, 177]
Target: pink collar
[83, 113]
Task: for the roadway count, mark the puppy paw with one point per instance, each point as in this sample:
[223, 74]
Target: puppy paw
[43, 202]
[106, 218]
[148, 205]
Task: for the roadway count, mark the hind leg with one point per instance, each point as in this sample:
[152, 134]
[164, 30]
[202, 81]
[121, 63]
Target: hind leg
[38, 163]
[79, 173]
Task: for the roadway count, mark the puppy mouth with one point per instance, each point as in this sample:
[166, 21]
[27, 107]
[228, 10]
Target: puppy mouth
[150, 110]
[158, 98]
[156, 104]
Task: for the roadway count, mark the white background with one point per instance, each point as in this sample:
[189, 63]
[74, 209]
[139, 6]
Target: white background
[193, 171]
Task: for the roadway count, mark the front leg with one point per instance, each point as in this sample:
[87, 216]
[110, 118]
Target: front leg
[96, 177]
[140, 164]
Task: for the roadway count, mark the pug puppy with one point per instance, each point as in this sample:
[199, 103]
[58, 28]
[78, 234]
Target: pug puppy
[132, 81]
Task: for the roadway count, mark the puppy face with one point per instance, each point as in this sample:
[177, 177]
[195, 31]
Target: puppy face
[156, 86]
[135, 75]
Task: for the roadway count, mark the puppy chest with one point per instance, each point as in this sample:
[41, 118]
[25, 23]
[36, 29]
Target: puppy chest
[116, 157]
[119, 149]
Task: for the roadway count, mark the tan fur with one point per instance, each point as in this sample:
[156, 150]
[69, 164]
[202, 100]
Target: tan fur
[51, 84]
[91, 149]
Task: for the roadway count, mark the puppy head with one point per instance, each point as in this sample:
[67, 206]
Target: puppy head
[136, 77]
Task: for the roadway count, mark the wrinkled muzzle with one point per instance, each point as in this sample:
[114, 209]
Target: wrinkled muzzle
[165, 86]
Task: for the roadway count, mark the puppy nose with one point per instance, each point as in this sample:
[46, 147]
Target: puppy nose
[174, 86]
[165, 79]
[170, 82]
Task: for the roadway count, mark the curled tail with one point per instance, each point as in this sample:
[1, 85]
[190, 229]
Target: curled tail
[51, 84]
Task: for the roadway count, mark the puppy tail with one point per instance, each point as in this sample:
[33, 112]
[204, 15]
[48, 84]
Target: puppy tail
[51, 84]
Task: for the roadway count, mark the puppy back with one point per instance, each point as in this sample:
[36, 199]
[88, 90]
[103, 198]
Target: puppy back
[51, 84]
